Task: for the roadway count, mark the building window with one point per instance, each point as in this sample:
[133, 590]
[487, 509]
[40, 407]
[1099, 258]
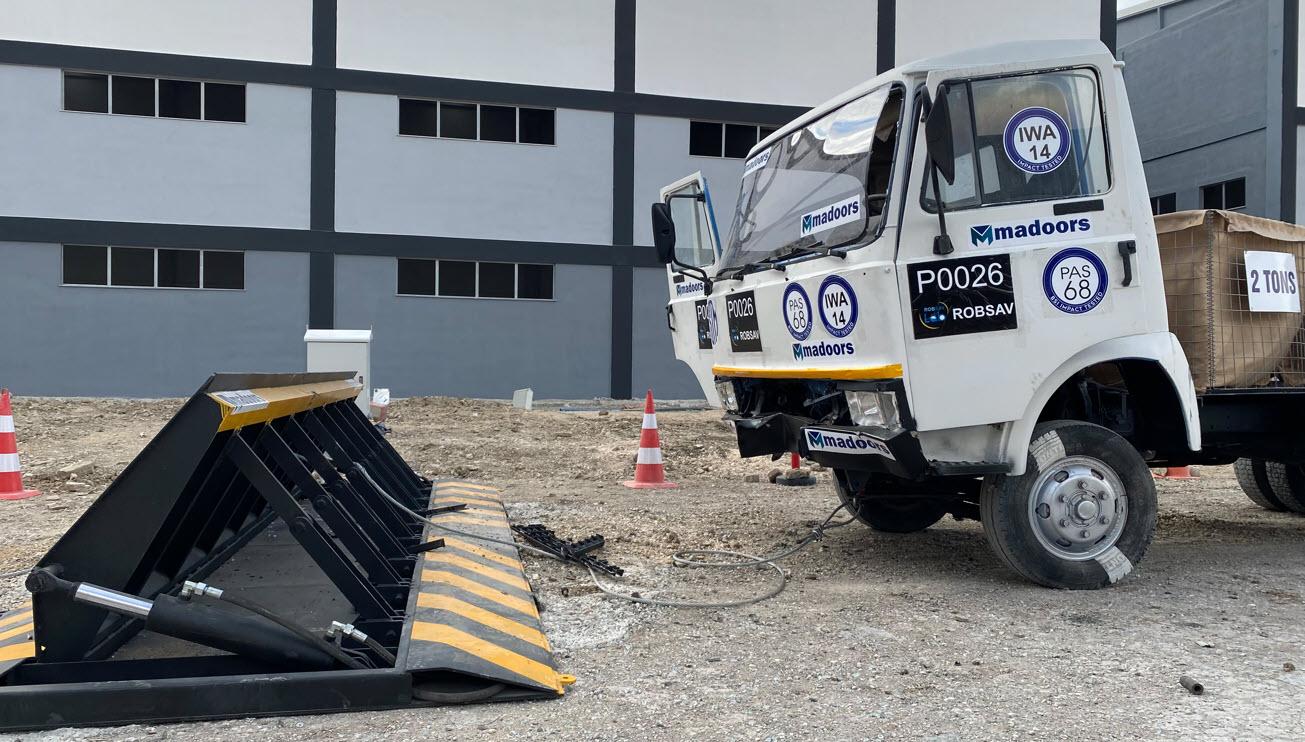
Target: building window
[86, 264]
[148, 267]
[84, 91]
[180, 99]
[715, 139]
[472, 279]
[483, 121]
[1164, 204]
[132, 95]
[1229, 195]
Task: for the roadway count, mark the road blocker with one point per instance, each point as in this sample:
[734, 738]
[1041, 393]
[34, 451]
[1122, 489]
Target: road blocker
[268, 554]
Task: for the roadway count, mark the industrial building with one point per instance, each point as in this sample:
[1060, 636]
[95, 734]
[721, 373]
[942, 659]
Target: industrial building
[186, 187]
[1214, 87]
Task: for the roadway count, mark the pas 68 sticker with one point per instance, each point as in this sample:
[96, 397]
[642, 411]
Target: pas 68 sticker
[797, 311]
[1075, 280]
[1036, 140]
[838, 308]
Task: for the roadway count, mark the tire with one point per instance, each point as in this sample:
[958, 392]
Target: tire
[892, 514]
[1080, 479]
[1254, 481]
[1287, 483]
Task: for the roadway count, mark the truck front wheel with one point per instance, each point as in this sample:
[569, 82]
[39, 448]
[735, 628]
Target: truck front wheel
[1082, 514]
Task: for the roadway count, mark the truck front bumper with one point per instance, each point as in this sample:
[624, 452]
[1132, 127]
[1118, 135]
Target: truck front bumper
[889, 450]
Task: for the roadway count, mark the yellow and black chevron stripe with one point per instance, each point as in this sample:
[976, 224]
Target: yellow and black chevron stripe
[16, 635]
[473, 611]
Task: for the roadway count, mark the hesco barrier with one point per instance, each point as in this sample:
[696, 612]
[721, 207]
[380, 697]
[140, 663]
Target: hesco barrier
[277, 491]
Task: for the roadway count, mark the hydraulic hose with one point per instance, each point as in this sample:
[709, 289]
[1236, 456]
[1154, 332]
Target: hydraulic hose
[331, 649]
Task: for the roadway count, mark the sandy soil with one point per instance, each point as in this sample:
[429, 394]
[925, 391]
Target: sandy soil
[876, 636]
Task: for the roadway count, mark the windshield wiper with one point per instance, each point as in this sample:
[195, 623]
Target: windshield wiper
[773, 262]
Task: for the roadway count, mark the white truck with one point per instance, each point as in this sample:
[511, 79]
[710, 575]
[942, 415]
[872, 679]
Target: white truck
[1000, 353]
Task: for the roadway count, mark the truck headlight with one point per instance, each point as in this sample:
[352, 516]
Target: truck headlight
[728, 400]
[878, 409]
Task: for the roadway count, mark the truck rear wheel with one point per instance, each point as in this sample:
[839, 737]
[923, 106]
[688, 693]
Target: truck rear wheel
[889, 514]
[1287, 483]
[1082, 514]
[1254, 481]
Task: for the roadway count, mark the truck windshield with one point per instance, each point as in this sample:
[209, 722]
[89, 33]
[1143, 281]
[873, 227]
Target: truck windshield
[822, 186]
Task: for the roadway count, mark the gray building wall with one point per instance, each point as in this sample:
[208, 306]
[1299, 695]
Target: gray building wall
[655, 365]
[1137, 25]
[661, 156]
[397, 184]
[480, 347]
[77, 165]
[1217, 115]
[102, 341]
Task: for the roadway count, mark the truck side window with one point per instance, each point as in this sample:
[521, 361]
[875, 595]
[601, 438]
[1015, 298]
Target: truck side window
[1027, 138]
[693, 246]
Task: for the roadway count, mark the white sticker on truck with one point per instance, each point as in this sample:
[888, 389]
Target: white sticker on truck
[756, 163]
[837, 441]
[827, 217]
[1271, 282]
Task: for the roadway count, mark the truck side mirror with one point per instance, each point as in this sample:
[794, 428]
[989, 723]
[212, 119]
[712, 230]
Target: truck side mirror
[663, 231]
[938, 136]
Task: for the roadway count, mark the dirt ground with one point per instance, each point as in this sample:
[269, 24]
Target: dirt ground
[876, 636]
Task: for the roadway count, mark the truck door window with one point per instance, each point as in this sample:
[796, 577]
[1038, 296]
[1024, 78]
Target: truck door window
[1027, 138]
[693, 246]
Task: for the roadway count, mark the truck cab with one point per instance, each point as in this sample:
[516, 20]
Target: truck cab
[944, 285]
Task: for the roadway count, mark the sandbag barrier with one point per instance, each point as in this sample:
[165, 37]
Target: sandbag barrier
[275, 483]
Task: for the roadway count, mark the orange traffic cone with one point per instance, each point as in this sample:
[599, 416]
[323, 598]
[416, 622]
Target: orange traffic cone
[648, 471]
[1179, 472]
[11, 474]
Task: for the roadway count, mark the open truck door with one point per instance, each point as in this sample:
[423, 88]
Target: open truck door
[689, 314]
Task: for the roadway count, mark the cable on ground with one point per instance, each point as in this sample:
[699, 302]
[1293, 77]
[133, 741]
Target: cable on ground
[687, 558]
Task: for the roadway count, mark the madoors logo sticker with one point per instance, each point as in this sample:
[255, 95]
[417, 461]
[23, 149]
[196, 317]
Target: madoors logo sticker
[840, 442]
[1036, 140]
[1075, 280]
[828, 217]
[757, 163]
[1038, 230]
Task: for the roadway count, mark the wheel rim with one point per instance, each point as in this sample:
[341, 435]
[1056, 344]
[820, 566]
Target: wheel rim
[1078, 508]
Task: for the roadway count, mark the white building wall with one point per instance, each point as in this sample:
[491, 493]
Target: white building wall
[564, 43]
[926, 29]
[266, 30]
[760, 51]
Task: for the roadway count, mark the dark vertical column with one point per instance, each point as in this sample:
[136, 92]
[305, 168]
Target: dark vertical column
[1110, 24]
[622, 341]
[1290, 59]
[886, 37]
[321, 198]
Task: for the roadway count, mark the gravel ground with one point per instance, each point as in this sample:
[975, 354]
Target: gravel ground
[877, 635]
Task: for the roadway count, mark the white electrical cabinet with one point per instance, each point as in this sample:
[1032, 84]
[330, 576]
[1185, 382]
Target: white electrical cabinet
[343, 350]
